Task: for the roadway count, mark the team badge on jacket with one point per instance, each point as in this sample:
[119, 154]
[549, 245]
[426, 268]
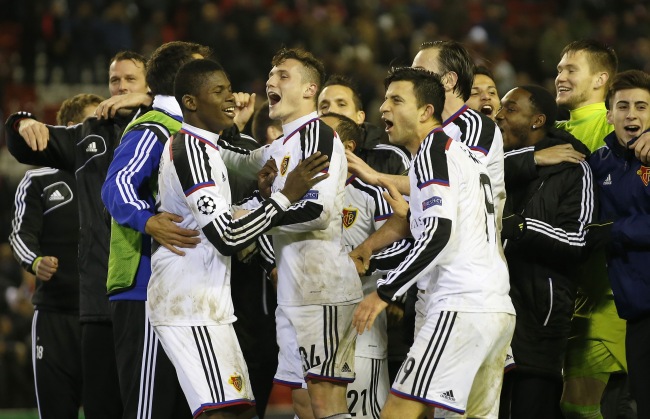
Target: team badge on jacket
[236, 381]
[284, 165]
[349, 216]
[644, 174]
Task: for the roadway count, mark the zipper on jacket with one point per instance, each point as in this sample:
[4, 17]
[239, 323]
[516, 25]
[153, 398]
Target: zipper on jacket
[550, 308]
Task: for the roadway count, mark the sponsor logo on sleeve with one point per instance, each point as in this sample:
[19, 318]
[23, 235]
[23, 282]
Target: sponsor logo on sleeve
[431, 202]
[311, 195]
[206, 205]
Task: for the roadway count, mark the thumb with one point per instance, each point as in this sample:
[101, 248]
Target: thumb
[251, 102]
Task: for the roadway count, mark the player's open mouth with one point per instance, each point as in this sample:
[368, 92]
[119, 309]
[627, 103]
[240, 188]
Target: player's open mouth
[273, 98]
[230, 111]
[633, 130]
[389, 124]
[487, 110]
[563, 90]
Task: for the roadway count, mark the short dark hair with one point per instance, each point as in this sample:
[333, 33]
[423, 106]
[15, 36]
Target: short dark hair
[341, 80]
[600, 56]
[71, 109]
[262, 121]
[630, 79]
[426, 85]
[314, 68]
[130, 55]
[481, 69]
[347, 128]
[455, 57]
[165, 62]
[190, 78]
[543, 102]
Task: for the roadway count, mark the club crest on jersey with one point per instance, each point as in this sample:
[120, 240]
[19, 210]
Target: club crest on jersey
[349, 216]
[644, 174]
[432, 202]
[284, 165]
[236, 381]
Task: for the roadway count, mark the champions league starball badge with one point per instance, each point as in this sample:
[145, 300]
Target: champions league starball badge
[206, 205]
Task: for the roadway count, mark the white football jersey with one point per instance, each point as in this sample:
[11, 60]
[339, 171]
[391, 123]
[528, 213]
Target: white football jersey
[194, 290]
[456, 257]
[483, 137]
[313, 265]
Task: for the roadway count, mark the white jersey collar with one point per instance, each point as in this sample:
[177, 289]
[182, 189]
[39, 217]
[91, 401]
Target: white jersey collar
[168, 104]
[200, 133]
[289, 128]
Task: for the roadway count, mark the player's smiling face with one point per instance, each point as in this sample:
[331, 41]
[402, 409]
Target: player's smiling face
[515, 118]
[575, 81]
[484, 97]
[286, 89]
[399, 112]
[215, 103]
[629, 113]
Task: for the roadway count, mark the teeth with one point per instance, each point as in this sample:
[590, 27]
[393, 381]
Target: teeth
[231, 109]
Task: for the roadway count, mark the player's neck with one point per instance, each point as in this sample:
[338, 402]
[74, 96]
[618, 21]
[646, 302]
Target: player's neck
[452, 104]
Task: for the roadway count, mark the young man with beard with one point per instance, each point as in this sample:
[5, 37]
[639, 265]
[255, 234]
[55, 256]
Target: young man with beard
[544, 229]
[456, 361]
[189, 301]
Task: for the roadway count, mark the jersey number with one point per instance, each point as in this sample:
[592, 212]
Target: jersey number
[311, 360]
[490, 219]
[354, 395]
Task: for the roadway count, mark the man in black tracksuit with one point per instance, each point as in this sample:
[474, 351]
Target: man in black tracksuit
[86, 150]
[44, 239]
[547, 210]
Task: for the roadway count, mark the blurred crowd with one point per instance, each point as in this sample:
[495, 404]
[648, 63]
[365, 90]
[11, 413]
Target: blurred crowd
[69, 42]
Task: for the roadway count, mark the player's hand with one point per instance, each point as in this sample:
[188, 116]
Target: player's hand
[558, 154]
[265, 178]
[46, 267]
[35, 133]
[395, 199]
[361, 258]
[273, 277]
[394, 313]
[641, 148]
[359, 168]
[244, 108]
[367, 311]
[303, 176]
[109, 107]
[163, 228]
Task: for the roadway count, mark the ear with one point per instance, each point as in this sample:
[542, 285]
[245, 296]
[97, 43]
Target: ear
[350, 145]
[449, 80]
[427, 112]
[539, 120]
[189, 103]
[361, 117]
[601, 80]
[311, 90]
[610, 117]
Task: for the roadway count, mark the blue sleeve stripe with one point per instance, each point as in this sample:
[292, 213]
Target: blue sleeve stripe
[433, 182]
[195, 188]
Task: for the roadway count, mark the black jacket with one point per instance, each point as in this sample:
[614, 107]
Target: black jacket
[85, 150]
[46, 223]
[553, 204]
[380, 156]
